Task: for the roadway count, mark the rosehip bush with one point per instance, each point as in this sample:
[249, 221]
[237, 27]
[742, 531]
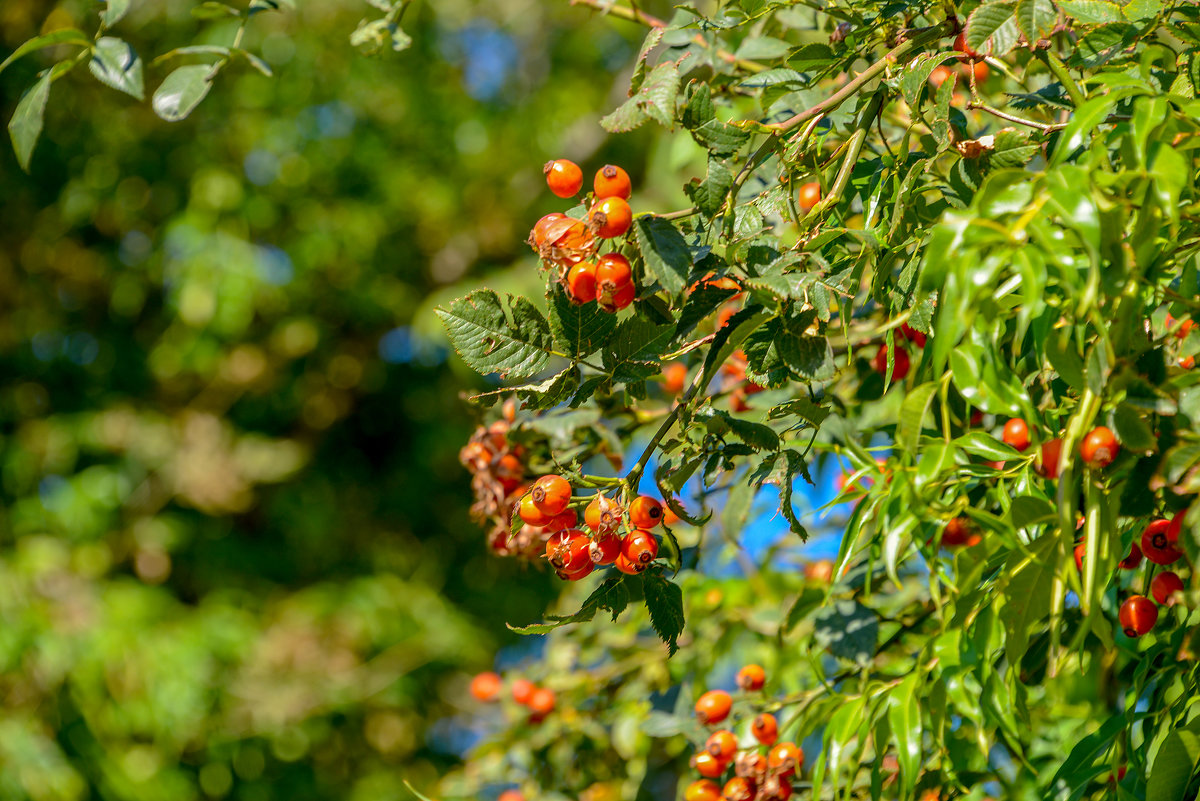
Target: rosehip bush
[911, 226]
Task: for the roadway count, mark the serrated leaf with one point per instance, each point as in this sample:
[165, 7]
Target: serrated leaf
[633, 352]
[916, 75]
[700, 304]
[624, 118]
[538, 395]
[985, 21]
[699, 108]
[116, 64]
[665, 252]
[1089, 12]
[765, 365]
[658, 92]
[579, 329]
[762, 48]
[26, 124]
[494, 333]
[709, 195]
[611, 595]
[803, 408]
[1035, 18]
[59, 37]
[720, 138]
[781, 469]
[664, 602]
[181, 91]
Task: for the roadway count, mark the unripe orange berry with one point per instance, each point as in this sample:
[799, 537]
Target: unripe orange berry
[786, 759]
[958, 532]
[581, 283]
[702, 790]
[674, 377]
[708, 765]
[1099, 448]
[751, 677]
[485, 686]
[511, 795]
[645, 512]
[739, 788]
[551, 494]
[809, 195]
[522, 691]
[531, 514]
[610, 217]
[612, 181]
[765, 729]
[1138, 615]
[563, 177]
[713, 707]
[1016, 433]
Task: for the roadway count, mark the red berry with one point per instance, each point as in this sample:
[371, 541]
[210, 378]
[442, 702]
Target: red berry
[1133, 560]
[960, 44]
[522, 691]
[568, 550]
[485, 686]
[1138, 615]
[551, 494]
[619, 299]
[900, 362]
[602, 515]
[808, 195]
[541, 703]
[1016, 433]
[645, 512]
[723, 745]
[959, 532]
[539, 237]
[1176, 526]
[1080, 551]
[1051, 458]
[1099, 448]
[605, 549]
[713, 707]
[1157, 546]
[581, 283]
[708, 765]
[1165, 585]
[765, 729]
[567, 519]
[563, 177]
[775, 788]
[639, 546]
[751, 677]
[907, 332]
[739, 788]
[628, 567]
[612, 181]
[610, 217]
[786, 759]
[531, 514]
[674, 377]
[702, 790]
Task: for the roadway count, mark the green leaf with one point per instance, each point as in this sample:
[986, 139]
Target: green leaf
[116, 10]
[912, 413]
[179, 94]
[632, 354]
[916, 75]
[495, 333]
[611, 595]
[373, 36]
[413, 790]
[765, 364]
[664, 602]
[26, 124]
[1030, 510]
[700, 304]
[657, 94]
[1133, 431]
[709, 195]
[1175, 765]
[904, 716]
[807, 410]
[1036, 18]
[116, 64]
[986, 446]
[665, 252]
[985, 21]
[211, 9]
[538, 395]
[63, 36]
[809, 600]
[849, 630]
[1027, 592]
[781, 470]
[1090, 12]
[579, 329]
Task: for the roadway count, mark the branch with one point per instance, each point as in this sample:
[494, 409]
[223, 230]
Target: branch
[1044, 127]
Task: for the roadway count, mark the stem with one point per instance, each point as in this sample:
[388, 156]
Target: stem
[853, 149]
[1064, 77]
[1044, 127]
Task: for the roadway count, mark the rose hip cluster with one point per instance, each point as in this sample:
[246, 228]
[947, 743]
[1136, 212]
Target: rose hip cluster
[569, 246]
[762, 770]
[616, 536]
[540, 701]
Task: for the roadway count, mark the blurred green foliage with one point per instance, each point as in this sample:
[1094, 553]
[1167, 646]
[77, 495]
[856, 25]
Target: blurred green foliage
[235, 555]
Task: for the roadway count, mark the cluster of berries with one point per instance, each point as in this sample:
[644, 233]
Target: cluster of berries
[1181, 329]
[762, 771]
[620, 537]
[540, 701]
[568, 245]
[900, 359]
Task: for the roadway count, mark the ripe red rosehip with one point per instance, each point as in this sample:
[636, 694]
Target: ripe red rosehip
[522, 691]
[1138, 615]
[618, 299]
[581, 283]
[808, 195]
[907, 333]
[531, 514]
[612, 271]
[612, 181]
[628, 567]
[1080, 551]
[765, 729]
[775, 788]
[1134, 558]
[751, 677]
[568, 550]
[1016, 433]
[564, 177]
[1051, 454]
[1099, 448]
[960, 44]
[958, 532]
[1157, 546]
[708, 765]
[1176, 526]
[602, 515]
[751, 765]
[610, 217]
[722, 744]
[639, 546]
[785, 759]
[739, 788]
[1165, 585]
[485, 686]
[674, 377]
[645, 512]
[541, 703]
[702, 790]
[713, 707]
[567, 519]
[581, 572]
[605, 549]
[551, 494]
[539, 236]
[900, 362]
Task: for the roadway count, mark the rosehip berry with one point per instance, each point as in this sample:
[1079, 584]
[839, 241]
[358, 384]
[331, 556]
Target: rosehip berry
[708, 765]
[610, 217]
[1099, 448]
[1016, 433]
[581, 283]
[959, 532]
[1080, 552]
[940, 75]
[702, 790]
[809, 195]
[765, 729]
[775, 788]
[907, 333]
[723, 745]
[639, 546]
[1157, 546]
[713, 707]
[522, 691]
[1176, 526]
[612, 181]
[617, 300]
[602, 515]
[541, 703]
[568, 550]
[605, 549]
[737, 400]
[485, 686]
[567, 519]
[739, 788]
[539, 237]
[674, 377]
[1134, 558]
[1138, 615]
[613, 271]
[960, 44]
[628, 567]
[751, 677]
[1165, 585]
[900, 362]
[645, 512]
[785, 759]
[551, 494]
[1051, 454]
[531, 514]
[563, 177]
[511, 795]
[751, 765]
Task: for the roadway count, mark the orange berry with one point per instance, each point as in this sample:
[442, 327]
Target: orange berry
[605, 549]
[739, 788]
[531, 514]
[639, 546]
[522, 691]
[617, 300]
[958, 532]
[567, 550]
[940, 75]
[775, 788]
[702, 790]
[511, 795]
[751, 677]
[1099, 448]
[610, 217]
[979, 68]
[1016, 433]
[628, 567]
[1051, 454]
[645, 512]
[809, 195]
[612, 272]
[581, 283]
[602, 515]
[485, 686]
[612, 181]
[708, 765]
[960, 44]
[765, 729]
[713, 707]
[541, 703]
[722, 744]
[1138, 615]
[674, 377]
[551, 494]
[563, 177]
[539, 236]
[786, 759]
[567, 519]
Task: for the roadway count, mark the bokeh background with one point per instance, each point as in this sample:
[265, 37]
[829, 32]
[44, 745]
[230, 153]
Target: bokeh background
[235, 554]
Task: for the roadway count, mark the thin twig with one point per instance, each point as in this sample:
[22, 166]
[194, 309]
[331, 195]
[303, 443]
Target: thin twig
[1044, 127]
